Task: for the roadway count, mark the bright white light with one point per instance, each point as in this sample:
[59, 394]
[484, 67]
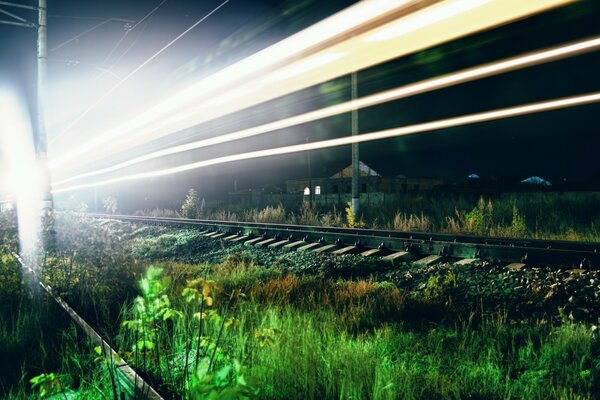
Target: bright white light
[24, 177]
[305, 66]
[361, 13]
[426, 17]
[365, 137]
[467, 75]
[193, 106]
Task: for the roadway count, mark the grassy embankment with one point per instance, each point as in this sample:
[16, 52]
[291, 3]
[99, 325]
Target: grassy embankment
[568, 216]
[260, 324]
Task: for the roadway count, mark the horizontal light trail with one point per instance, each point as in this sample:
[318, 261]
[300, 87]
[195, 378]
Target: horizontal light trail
[379, 135]
[340, 23]
[467, 75]
[206, 101]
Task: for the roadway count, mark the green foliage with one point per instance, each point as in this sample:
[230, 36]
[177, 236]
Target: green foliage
[227, 383]
[269, 214]
[149, 310]
[441, 287]
[47, 383]
[480, 219]
[518, 228]
[9, 235]
[11, 288]
[312, 325]
[192, 207]
[352, 220]
[195, 329]
[350, 217]
[569, 216]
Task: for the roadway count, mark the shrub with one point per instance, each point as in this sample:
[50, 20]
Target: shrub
[192, 207]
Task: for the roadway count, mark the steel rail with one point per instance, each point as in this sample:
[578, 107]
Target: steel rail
[131, 385]
[528, 251]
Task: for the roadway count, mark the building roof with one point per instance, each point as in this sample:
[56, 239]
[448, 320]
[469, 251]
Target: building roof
[536, 180]
[365, 170]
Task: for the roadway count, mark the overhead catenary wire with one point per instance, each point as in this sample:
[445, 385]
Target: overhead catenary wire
[470, 74]
[135, 70]
[365, 137]
[129, 30]
[74, 38]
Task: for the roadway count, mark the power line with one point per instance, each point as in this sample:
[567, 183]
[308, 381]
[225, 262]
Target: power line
[74, 38]
[131, 29]
[118, 84]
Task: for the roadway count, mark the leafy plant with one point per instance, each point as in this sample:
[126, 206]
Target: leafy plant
[351, 219]
[192, 207]
[518, 228]
[47, 383]
[228, 383]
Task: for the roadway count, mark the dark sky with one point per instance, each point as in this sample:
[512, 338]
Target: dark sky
[556, 145]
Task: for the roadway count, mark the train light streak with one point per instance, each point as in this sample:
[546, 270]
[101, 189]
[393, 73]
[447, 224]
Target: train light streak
[305, 66]
[379, 135]
[294, 46]
[425, 18]
[194, 108]
[467, 75]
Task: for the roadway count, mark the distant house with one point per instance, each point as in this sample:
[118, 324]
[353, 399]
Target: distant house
[370, 181]
[536, 180]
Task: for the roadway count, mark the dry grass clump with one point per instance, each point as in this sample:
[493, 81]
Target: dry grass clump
[412, 222]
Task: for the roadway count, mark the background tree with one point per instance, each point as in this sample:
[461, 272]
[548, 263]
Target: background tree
[192, 206]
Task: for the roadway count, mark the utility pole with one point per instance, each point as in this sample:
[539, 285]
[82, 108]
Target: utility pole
[42, 142]
[41, 146]
[355, 155]
[310, 188]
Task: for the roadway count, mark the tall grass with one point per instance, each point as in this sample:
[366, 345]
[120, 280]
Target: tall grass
[569, 216]
[301, 337]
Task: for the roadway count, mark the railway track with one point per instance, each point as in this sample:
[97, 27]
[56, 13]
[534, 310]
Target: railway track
[394, 246]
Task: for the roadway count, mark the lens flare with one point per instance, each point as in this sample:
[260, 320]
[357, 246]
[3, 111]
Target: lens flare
[24, 176]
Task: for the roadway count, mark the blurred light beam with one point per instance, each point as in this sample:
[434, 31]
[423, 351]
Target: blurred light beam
[379, 135]
[253, 72]
[455, 78]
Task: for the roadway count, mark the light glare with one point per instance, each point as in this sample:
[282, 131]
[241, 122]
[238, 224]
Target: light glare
[358, 54]
[394, 94]
[385, 134]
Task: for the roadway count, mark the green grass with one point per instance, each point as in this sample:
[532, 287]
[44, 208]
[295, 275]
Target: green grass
[314, 339]
[566, 216]
[261, 325]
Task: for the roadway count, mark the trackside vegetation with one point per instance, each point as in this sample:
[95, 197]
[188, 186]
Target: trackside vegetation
[198, 318]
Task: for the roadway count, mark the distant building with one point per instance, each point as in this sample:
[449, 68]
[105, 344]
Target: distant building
[536, 180]
[370, 182]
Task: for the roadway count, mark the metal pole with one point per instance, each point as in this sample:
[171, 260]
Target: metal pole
[41, 143]
[355, 155]
[310, 188]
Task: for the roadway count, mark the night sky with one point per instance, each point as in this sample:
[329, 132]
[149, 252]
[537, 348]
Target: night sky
[556, 145]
